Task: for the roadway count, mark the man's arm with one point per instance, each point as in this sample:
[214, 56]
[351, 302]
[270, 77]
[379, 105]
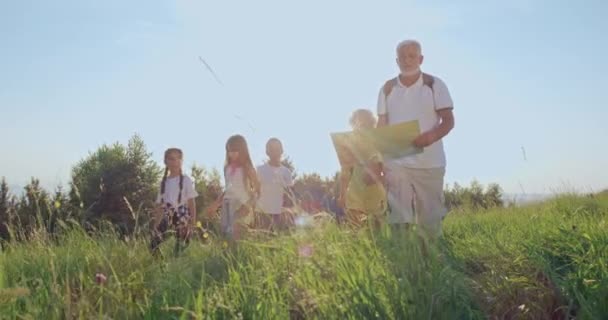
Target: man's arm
[446, 118]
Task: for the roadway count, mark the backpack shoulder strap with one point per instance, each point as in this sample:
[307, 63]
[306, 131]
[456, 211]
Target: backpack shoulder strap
[428, 80]
[388, 86]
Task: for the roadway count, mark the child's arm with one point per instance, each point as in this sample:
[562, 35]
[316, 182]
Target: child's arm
[255, 182]
[289, 196]
[212, 209]
[290, 193]
[346, 169]
[374, 172]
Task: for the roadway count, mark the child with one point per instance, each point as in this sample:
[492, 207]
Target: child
[176, 206]
[275, 181]
[242, 189]
[362, 191]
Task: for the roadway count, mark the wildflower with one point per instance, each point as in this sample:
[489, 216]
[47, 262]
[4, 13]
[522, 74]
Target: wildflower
[523, 308]
[588, 281]
[100, 278]
[199, 225]
[305, 251]
[57, 204]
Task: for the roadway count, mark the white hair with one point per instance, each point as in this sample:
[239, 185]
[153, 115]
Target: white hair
[409, 42]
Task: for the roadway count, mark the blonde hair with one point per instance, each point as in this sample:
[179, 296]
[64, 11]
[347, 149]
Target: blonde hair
[364, 116]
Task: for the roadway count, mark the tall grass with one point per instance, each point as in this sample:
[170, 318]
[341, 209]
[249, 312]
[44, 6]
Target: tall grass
[543, 261]
[536, 262]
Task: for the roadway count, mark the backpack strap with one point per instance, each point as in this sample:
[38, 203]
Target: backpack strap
[388, 86]
[428, 80]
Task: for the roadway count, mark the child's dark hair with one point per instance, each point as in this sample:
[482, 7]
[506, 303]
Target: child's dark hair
[181, 176]
[274, 140]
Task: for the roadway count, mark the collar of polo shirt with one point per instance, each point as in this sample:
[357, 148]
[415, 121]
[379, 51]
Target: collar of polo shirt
[416, 84]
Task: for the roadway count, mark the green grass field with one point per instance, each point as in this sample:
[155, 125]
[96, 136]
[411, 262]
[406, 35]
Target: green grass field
[541, 261]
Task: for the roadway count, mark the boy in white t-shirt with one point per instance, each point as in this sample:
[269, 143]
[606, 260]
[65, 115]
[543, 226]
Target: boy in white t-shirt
[275, 181]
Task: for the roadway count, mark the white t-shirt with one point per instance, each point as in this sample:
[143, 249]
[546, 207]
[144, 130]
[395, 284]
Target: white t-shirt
[273, 181]
[171, 194]
[417, 102]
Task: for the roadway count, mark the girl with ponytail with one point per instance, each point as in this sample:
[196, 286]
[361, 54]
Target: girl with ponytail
[177, 209]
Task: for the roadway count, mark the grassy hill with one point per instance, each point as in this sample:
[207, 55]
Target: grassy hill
[542, 261]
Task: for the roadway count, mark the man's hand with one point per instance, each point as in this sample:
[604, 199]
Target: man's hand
[426, 139]
[446, 125]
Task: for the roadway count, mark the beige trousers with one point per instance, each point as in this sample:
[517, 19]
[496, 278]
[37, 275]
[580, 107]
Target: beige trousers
[416, 195]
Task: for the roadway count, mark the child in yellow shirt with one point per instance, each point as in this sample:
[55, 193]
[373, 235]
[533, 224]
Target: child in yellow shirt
[362, 191]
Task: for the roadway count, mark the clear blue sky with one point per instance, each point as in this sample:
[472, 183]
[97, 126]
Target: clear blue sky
[77, 74]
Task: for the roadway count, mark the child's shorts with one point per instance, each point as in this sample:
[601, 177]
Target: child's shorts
[172, 217]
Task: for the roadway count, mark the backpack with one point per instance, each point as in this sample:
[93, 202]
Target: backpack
[427, 80]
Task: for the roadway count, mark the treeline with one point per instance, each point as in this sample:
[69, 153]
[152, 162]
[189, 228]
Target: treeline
[117, 184]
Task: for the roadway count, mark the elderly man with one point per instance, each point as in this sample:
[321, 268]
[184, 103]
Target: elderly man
[415, 183]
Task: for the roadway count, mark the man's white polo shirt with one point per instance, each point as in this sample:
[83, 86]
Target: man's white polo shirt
[418, 102]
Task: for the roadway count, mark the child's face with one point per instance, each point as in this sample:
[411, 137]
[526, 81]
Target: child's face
[274, 150]
[233, 156]
[174, 162]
